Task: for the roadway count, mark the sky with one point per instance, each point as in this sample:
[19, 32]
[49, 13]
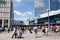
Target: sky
[23, 9]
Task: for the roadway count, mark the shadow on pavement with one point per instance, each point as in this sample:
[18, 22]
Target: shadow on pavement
[38, 36]
[20, 37]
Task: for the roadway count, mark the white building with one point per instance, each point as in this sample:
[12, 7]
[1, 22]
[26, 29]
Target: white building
[6, 13]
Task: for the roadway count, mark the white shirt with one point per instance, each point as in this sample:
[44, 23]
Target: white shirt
[35, 27]
[46, 29]
[14, 30]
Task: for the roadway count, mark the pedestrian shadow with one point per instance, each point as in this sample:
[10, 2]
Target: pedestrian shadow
[38, 36]
[47, 35]
[20, 37]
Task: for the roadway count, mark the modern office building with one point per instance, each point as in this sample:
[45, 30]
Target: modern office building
[6, 13]
[54, 5]
[54, 12]
[54, 18]
[42, 6]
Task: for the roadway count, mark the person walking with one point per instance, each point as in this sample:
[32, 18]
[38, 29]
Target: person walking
[54, 27]
[30, 29]
[19, 30]
[43, 30]
[35, 29]
[8, 29]
[14, 32]
[46, 30]
[22, 28]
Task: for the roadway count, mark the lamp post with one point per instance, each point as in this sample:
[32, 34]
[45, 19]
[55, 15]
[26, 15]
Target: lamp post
[48, 18]
[48, 12]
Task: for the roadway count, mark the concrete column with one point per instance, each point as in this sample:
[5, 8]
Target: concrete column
[9, 23]
[2, 23]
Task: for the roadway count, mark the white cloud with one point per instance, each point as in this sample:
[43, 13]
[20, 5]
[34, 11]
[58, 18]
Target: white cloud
[21, 19]
[18, 0]
[22, 14]
[17, 3]
[39, 3]
[30, 13]
[17, 12]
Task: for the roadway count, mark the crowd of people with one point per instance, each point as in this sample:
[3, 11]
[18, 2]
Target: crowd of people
[55, 28]
[19, 31]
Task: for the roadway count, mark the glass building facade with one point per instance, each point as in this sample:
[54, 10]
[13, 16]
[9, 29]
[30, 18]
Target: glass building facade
[41, 7]
[54, 5]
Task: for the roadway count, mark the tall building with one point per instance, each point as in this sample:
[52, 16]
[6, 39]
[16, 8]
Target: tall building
[6, 13]
[41, 6]
[54, 5]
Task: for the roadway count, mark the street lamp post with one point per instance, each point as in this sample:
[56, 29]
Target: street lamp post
[48, 18]
[48, 13]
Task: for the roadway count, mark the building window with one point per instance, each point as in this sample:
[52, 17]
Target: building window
[0, 23]
[5, 23]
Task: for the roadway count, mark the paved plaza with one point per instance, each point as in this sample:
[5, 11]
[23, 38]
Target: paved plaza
[28, 36]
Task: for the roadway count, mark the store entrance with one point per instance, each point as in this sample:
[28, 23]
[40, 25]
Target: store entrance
[5, 23]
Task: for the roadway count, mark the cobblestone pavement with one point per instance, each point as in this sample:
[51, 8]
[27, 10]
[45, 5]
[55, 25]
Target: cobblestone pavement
[28, 36]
